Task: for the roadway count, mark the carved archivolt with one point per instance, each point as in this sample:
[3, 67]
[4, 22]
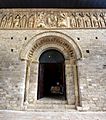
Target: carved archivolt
[49, 41]
[46, 19]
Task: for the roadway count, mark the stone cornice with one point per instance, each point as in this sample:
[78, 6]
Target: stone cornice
[52, 18]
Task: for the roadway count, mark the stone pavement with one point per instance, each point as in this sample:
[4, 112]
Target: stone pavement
[22, 115]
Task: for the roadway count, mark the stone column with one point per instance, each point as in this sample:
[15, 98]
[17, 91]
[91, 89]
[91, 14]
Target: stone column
[76, 85]
[36, 79]
[23, 67]
[69, 82]
[32, 93]
[27, 82]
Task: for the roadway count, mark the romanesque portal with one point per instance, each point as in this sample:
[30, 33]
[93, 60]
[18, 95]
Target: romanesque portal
[77, 36]
[56, 70]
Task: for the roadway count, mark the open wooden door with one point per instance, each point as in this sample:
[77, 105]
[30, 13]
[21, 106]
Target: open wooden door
[51, 79]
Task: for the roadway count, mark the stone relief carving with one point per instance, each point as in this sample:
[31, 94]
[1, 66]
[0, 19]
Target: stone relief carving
[73, 21]
[24, 21]
[80, 20]
[63, 20]
[40, 20]
[52, 40]
[31, 21]
[103, 16]
[17, 22]
[87, 20]
[10, 21]
[3, 21]
[52, 19]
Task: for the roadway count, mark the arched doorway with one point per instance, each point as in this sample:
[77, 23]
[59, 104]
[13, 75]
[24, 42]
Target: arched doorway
[32, 53]
[51, 77]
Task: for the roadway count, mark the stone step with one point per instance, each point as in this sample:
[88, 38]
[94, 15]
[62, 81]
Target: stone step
[52, 110]
[51, 107]
[51, 101]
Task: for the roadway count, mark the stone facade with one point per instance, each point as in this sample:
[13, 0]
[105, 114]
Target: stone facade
[80, 35]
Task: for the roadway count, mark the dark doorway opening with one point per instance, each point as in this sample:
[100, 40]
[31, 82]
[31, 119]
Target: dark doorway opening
[51, 79]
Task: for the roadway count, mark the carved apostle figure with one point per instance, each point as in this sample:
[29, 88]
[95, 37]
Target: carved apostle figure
[95, 20]
[87, 20]
[31, 21]
[24, 21]
[100, 22]
[17, 23]
[73, 22]
[80, 20]
[10, 21]
[102, 18]
[3, 22]
[62, 20]
[41, 20]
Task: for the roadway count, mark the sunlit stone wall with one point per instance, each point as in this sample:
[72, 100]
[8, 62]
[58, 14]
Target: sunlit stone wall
[87, 29]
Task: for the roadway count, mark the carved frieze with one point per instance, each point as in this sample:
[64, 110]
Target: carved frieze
[51, 19]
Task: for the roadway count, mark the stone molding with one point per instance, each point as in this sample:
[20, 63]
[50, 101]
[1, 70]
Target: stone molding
[49, 40]
[52, 18]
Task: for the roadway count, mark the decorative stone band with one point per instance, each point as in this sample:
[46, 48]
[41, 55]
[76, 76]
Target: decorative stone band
[51, 40]
[52, 18]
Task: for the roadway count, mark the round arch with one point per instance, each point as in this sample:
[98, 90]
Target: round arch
[53, 38]
[42, 42]
[51, 56]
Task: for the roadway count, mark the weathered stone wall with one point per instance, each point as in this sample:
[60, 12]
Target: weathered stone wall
[85, 29]
[91, 67]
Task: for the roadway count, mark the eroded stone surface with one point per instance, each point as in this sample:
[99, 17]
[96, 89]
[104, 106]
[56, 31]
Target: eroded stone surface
[91, 67]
